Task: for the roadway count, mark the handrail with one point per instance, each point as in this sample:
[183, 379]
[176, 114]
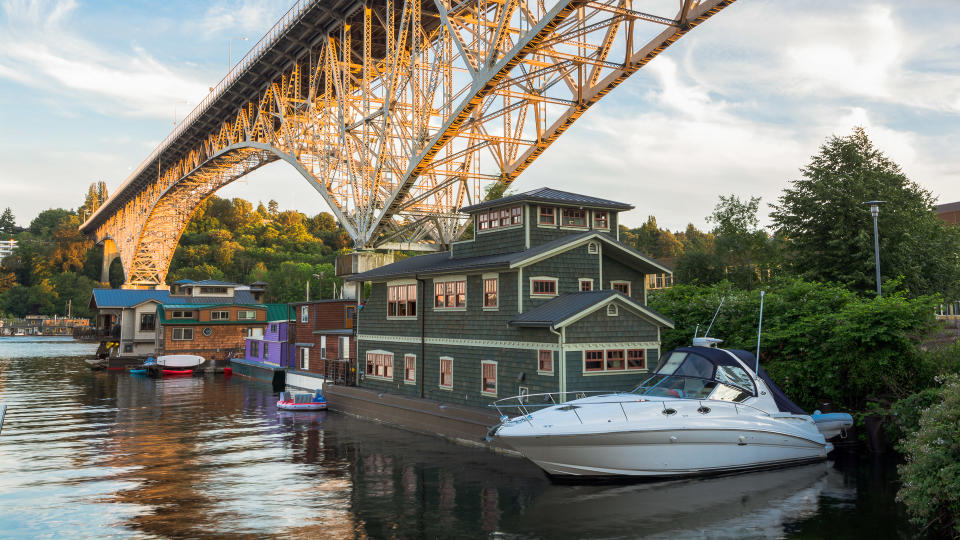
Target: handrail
[523, 403]
[286, 21]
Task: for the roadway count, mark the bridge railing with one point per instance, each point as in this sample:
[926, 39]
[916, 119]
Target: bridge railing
[286, 21]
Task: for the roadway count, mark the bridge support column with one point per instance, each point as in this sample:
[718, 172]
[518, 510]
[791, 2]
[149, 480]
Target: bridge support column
[110, 253]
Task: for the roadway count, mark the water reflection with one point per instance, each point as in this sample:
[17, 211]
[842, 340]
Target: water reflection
[101, 454]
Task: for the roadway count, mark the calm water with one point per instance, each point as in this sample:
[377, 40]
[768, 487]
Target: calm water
[97, 455]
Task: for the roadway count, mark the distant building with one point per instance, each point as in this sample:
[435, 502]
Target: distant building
[214, 331]
[324, 343]
[274, 347]
[544, 298]
[126, 320]
[7, 247]
[949, 212]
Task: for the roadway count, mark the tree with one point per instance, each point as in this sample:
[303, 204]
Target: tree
[8, 224]
[273, 208]
[42, 226]
[829, 232]
[742, 248]
[96, 196]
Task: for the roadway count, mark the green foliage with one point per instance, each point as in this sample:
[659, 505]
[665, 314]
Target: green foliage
[930, 478]
[829, 231]
[8, 224]
[820, 341]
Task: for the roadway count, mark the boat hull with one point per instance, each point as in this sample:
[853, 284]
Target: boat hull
[180, 361]
[313, 406]
[665, 453]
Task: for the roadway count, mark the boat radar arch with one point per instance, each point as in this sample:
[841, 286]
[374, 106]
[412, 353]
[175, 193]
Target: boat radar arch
[707, 342]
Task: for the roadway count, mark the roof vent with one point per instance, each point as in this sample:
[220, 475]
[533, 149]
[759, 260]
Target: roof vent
[612, 310]
[593, 248]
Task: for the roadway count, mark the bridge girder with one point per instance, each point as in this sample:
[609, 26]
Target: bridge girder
[400, 114]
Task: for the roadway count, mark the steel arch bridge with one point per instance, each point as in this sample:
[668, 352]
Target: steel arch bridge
[399, 112]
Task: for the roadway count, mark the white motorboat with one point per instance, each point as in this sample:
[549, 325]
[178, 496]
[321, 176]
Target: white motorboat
[704, 410]
[180, 361]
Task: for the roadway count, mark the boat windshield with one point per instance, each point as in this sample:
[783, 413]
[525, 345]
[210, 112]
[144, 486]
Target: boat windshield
[684, 387]
[687, 375]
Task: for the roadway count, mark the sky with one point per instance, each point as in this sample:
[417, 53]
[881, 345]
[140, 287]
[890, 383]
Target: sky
[738, 106]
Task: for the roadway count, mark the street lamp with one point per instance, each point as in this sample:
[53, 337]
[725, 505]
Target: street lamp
[875, 211]
[230, 51]
[320, 277]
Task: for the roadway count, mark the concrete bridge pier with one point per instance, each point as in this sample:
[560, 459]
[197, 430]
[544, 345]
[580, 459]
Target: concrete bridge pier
[110, 252]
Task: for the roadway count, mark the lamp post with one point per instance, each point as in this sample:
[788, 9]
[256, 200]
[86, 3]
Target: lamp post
[175, 103]
[230, 51]
[320, 277]
[875, 211]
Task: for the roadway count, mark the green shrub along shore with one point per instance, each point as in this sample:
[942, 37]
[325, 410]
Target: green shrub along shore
[827, 336]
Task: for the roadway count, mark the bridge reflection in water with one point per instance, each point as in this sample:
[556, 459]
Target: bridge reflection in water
[99, 454]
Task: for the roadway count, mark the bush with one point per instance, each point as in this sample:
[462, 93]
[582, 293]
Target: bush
[931, 475]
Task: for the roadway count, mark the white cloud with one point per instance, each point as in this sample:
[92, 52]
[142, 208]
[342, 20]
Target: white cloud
[133, 83]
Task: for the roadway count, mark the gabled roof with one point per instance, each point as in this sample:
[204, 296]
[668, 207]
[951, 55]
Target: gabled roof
[239, 297]
[444, 263]
[215, 283]
[126, 298]
[548, 195]
[183, 281]
[569, 308]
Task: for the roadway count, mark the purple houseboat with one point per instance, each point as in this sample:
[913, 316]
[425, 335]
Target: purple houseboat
[272, 347]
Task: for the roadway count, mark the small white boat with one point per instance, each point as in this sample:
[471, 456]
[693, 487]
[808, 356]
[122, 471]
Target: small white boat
[302, 402]
[180, 361]
[703, 411]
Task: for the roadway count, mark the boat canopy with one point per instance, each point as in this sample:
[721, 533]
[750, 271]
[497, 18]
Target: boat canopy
[783, 402]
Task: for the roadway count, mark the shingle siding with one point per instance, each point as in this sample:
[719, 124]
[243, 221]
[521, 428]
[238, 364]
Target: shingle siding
[492, 242]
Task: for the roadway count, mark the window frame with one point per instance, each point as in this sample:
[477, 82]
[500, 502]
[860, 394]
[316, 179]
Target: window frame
[304, 313]
[643, 359]
[440, 378]
[409, 369]
[396, 290]
[629, 284]
[556, 286]
[495, 278]
[582, 281]
[254, 348]
[601, 359]
[219, 315]
[304, 359]
[265, 351]
[541, 215]
[323, 347]
[564, 218]
[449, 293]
[246, 314]
[183, 330]
[606, 220]
[153, 323]
[381, 359]
[181, 314]
[503, 217]
[624, 355]
[483, 378]
[540, 370]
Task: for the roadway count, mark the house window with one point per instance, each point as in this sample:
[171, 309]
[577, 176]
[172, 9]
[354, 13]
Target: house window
[266, 347]
[601, 219]
[401, 300]
[450, 294]
[343, 352]
[500, 218]
[545, 361]
[181, 315]
[273, 328]
[219, 315]
[446, 372]
[304, 358]
[612, 310]
[659, 281]
[182, 334]
[490, 292]
[548, 216]
[586, 284]
[574, 217]
[593, 360]
[304, 314]
[543, 286]
[323, 347]
[409, 368]
[148, 322]
[380, 365]
[213, 290]
[615, 360]
[488, 384]
[636, 359]
[244, 315]
[254, 349]
[621, 286]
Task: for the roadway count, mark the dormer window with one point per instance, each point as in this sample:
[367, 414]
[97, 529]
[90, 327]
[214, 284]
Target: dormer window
[548, 215]
[601, 219]
[574, 217]
[505, 217]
